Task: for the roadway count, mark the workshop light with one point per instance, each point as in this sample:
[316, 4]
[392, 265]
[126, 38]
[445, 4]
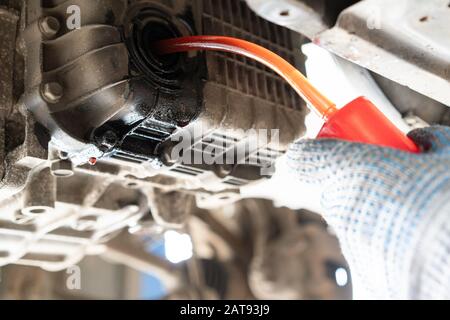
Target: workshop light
[178, 246]
[341, 277]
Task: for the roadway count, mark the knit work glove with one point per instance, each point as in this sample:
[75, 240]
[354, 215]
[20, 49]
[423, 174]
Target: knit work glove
[390, 210]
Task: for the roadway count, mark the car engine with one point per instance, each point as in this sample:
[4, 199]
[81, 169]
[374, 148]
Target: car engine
[90, 117]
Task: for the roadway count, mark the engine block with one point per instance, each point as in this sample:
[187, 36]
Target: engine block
[92, 118]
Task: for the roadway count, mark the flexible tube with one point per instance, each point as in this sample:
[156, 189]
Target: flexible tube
[315, 100]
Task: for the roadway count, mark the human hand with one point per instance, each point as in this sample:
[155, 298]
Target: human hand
[388, 208]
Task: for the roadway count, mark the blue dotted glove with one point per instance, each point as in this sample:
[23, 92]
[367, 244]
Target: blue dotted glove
[390, 210]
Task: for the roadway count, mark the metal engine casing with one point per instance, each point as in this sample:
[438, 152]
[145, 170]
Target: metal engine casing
[128, 103]
[122, 107]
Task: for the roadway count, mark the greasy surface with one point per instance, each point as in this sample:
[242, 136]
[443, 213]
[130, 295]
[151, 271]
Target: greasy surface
[315, 100]
[236, 19]
[8, 25]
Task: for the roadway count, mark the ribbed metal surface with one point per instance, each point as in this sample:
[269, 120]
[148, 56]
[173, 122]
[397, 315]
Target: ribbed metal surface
[234, 18]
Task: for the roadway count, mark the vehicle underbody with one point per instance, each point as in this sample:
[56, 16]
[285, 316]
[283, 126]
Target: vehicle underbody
[88, 117]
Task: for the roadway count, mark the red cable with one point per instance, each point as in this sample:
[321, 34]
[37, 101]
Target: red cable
[318, 102]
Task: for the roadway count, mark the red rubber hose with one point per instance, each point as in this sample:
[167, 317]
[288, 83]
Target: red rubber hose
[318, 102]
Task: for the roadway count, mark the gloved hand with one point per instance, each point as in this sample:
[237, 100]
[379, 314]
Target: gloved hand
[390, 210]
